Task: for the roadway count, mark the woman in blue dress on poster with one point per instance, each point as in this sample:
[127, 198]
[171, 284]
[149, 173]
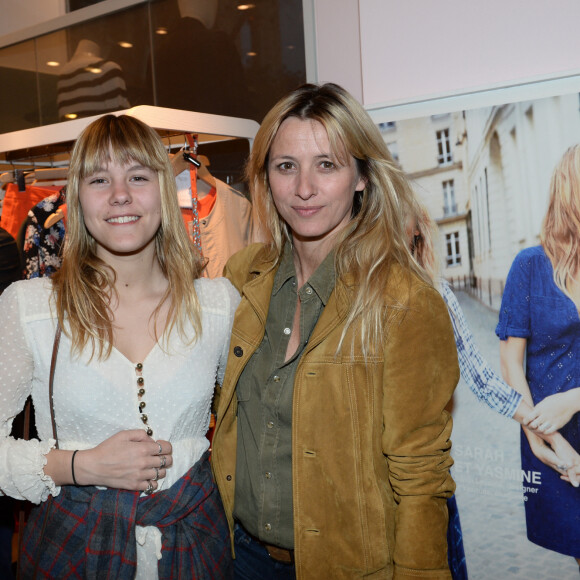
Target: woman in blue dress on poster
[539, 328]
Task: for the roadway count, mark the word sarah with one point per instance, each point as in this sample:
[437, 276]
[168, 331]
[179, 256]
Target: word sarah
[482, 453]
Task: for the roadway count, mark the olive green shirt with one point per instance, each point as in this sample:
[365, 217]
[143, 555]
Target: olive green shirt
[263, 494]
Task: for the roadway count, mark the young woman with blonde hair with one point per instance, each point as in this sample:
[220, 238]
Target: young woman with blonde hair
[539, 328]
[138, 339]
[331, 448]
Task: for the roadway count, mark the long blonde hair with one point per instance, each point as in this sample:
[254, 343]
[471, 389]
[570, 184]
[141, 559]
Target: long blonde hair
[375, 236]
[560, 234]
[84, 285]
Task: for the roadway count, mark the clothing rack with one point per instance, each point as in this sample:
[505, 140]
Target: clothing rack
[49, 144]
[38, 174]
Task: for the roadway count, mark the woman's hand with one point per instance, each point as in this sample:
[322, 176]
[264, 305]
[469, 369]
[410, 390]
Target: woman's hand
[559, 455]
[569, 460]
[572, 475]
[128, 460]
[553, 412]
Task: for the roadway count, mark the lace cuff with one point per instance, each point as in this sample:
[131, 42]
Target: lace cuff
[26, 466]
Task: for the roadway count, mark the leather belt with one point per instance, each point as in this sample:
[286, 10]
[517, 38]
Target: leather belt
[276, 553]
[279, 554]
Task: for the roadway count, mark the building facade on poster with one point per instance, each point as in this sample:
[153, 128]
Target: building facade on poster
[511, 152]
[430, 152]
[483, 174]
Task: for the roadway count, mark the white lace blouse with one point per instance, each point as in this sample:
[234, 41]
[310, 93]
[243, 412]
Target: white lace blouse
[94, 400]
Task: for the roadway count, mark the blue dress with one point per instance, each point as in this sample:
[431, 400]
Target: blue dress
[534, 308]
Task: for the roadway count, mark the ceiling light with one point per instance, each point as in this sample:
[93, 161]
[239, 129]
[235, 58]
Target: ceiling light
[161, 30]
[53, 63]
[94, 69]
[251, 53]
[124, 44]
[245, 6]
[71, 116]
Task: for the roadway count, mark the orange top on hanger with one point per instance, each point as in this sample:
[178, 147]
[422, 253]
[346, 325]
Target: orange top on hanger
[205, 204]
[18, 203]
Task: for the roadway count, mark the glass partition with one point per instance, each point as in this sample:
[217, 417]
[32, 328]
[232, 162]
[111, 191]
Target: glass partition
[213, 56]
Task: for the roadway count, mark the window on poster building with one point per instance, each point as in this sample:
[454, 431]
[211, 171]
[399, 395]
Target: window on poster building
[453, 252]
[449, 205]
[387, 126]
[206, 56]
[444, 156]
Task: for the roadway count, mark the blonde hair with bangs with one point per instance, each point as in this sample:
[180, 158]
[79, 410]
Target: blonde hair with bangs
[560, 235]
[375, 236]
[84, 285]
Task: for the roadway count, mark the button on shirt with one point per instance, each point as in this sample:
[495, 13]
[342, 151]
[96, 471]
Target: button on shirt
[263, 494]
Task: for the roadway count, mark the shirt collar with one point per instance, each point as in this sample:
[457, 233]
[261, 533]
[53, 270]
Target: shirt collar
[322, 281]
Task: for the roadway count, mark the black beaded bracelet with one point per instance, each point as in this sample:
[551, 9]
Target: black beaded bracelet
[72, 467]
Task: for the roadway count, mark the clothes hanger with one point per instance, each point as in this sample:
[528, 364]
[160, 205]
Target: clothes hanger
[6, 177]
[53, 218]
[53, 174]
[203, 172]
[181, 160]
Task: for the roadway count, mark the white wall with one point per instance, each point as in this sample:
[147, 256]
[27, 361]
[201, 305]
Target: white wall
[19, 14]
[415, 50]
[337, 43]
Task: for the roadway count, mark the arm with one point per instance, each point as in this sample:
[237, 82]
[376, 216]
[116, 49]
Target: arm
[553, 412]
[483, 381]
[561, 456]
[21, 462]
[420, 375]
[127, 460]
[498, 395]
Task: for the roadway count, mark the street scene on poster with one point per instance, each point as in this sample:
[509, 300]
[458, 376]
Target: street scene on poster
[484, 176]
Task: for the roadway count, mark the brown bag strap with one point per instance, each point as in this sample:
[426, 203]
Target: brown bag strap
[21, 514]
[51, 380]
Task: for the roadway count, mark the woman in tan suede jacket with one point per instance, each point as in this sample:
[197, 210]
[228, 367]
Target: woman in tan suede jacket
[331, 448]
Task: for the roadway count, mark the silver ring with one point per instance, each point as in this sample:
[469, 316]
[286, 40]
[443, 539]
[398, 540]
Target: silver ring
[156, 474]
[160, 448]
[562, 467]
[163, 461]
[149, 489]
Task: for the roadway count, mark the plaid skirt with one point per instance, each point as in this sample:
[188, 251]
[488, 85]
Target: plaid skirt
[89, 533]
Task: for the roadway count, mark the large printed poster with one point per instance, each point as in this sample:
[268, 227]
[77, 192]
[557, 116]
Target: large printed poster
[484, 174]
[491, 485]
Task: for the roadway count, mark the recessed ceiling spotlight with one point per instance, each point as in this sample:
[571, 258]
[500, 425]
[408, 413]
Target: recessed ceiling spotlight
[53, 63]
[245, 6]
[161, 30]
[94, 69]
[71, 116]
[124, 44]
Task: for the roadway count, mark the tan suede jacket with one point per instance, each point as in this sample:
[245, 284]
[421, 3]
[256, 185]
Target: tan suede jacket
[370, 438]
